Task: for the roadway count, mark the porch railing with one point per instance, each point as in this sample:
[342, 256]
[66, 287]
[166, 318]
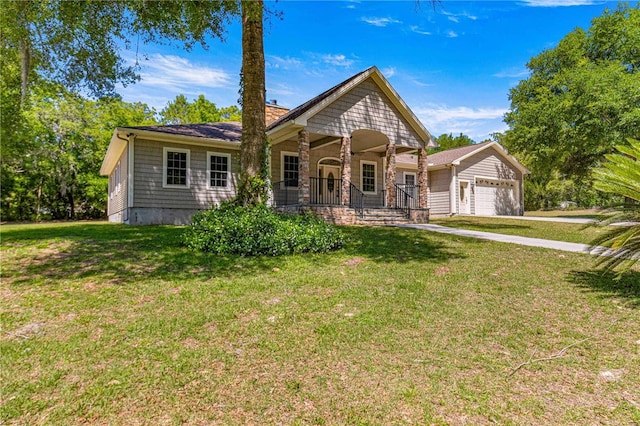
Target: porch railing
[325, 191]
[407, 198]
[356, 199]
[285, 193]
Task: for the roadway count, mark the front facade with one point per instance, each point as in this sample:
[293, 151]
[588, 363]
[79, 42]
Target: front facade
[335, 154]
[355, 148]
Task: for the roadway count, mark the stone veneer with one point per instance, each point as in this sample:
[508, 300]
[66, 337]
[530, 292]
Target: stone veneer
[341, 215]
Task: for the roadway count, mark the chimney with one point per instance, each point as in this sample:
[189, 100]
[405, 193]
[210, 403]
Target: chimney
[273, 111]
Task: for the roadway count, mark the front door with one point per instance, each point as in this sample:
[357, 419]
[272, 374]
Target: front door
[329, 185]
[465, 206]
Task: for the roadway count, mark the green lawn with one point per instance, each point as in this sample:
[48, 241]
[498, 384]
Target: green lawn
[579, 213]
[109, 324]
[570, 232]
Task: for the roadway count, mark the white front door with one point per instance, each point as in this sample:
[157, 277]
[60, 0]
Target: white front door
[463, 195]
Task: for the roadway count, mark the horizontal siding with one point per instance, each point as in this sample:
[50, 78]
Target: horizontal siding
[439, 191]
[118, 202]
[364, 107]
[148, 190]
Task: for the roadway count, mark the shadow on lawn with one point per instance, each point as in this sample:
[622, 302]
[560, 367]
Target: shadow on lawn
[122, 254]
[117, 253]
[606, 284]
[397, 245]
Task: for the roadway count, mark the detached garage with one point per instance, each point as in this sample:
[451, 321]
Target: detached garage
[481, 179]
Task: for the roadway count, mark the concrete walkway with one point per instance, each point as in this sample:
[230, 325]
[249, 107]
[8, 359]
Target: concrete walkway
[578, 220]
[525, 241]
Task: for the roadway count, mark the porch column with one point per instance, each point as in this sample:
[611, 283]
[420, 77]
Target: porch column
[391, 175]
[303, 167]
[423, 178]
[345, 171]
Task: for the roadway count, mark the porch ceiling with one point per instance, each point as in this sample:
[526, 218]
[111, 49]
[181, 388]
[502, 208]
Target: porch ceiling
[361, 141]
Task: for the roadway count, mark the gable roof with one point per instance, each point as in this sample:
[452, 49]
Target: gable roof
[297, 117]
[455, 156]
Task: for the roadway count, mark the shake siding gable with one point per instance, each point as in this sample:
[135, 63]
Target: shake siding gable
[364, 107]
[148, 171]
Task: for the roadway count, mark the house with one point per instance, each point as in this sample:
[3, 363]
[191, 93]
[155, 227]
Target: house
[337, 154]
[481, 179]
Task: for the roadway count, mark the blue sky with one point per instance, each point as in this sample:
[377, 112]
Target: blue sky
[453, 65]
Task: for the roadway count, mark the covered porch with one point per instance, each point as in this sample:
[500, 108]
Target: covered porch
[338, 151]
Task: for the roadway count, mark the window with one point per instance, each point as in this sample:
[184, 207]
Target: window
[368, 176]
[176, 168]
[290, 169]
[218, 168]
[118, 178]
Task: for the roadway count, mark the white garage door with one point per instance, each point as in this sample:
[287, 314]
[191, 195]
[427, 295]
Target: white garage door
[496, 197]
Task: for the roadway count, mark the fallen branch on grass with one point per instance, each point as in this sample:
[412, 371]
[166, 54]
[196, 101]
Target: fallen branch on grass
[556, 355]
[562, 352]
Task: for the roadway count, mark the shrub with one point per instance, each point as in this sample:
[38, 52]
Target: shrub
[258, 230]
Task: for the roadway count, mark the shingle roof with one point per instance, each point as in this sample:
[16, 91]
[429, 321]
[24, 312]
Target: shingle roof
[227, 131]
[298, 111]
[451, 155]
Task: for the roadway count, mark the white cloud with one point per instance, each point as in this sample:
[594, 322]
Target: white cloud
[417, 30]
[453, 19]
[559, 3]
[452, 34]
[477, 123]
[388, 72]
[337, 60]
[175, 73]
[515, 72]
[287, 63]
[379, 22]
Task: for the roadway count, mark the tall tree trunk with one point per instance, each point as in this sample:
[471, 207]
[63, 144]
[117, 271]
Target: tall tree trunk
[253, 150]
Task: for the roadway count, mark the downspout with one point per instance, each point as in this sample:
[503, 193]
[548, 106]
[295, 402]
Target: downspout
[130, 161]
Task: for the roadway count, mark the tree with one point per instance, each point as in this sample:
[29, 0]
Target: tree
[621, 176]
[448, 141]
[253, 148]
[201, 110]
[581, 99]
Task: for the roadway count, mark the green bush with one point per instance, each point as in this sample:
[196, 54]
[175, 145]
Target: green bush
[258, 230]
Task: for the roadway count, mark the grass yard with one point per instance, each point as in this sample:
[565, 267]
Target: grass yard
[109, 324]
[577, 213]
[570, 232]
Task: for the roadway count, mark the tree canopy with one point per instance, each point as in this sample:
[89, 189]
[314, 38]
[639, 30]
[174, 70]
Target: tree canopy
[581, 99]
[201, 110]
[448, 141]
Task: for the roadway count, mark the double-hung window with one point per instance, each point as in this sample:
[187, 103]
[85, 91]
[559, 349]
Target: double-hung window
[368, 176]
[218, 170]
[175, 168]
[290, 169]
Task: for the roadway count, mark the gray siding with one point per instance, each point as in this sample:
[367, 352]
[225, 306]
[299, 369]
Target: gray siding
[117, 201]
[488, 163]
[148, 172]
[439, 201]
[364, 107]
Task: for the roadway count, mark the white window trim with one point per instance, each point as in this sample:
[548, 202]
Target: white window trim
[290, 154]
[375, 176]
[404, 177]
[164, 167]
[218, 154]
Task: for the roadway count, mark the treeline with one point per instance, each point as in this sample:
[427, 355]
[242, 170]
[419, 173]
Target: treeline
[54, 143]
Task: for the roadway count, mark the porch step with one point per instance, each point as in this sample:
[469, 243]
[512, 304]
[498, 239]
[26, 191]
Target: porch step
[382, 217]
